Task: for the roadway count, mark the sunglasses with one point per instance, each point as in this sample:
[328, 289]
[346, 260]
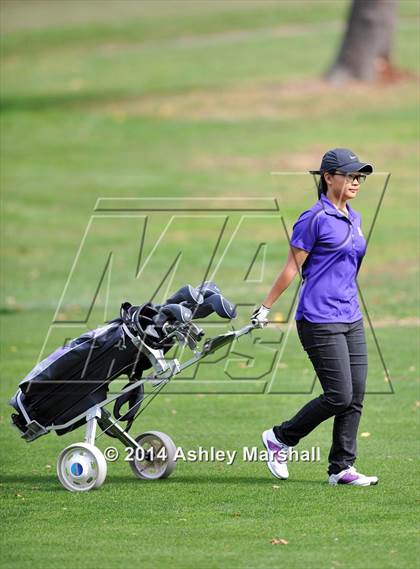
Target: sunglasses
[351, 177]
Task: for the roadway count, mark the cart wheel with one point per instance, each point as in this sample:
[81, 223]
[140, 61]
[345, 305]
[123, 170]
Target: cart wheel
[156, 458]
[81, 467]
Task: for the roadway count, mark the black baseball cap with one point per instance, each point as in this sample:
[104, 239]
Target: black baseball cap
[344, 160]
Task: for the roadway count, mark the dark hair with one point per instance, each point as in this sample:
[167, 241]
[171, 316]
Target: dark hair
[322, 186]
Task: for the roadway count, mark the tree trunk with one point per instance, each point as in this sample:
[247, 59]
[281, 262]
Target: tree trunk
[367, 44]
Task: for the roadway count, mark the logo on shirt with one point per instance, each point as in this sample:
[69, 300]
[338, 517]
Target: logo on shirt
[360, 231]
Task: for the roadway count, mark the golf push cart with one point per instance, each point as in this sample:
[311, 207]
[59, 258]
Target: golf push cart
[69, 388]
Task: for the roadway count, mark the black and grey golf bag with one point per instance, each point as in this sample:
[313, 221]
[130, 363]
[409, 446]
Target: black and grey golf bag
[77, 376]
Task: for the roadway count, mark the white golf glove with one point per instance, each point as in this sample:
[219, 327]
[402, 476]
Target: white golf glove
[259, 317]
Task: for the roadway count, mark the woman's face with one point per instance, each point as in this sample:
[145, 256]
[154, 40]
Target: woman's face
[344, 186]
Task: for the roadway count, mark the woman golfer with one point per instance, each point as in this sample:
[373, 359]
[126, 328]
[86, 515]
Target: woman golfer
[328, 243]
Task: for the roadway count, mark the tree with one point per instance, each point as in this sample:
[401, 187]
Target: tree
[365, 51]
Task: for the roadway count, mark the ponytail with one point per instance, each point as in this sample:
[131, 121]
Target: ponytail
[322, 186]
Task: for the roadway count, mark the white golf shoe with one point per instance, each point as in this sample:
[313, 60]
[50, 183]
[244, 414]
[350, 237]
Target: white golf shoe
[278, 454]
[351, 477]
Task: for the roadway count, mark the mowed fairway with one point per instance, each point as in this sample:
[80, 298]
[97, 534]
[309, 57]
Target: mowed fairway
[190, 100]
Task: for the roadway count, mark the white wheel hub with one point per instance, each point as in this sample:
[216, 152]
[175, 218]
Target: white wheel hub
[81, 467]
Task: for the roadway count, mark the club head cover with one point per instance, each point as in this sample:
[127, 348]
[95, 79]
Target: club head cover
[186, 293]
[218, 304]
[203, 310]
[176, 312]
[208, 288]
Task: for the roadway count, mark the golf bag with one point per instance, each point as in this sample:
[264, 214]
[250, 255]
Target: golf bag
[77, 376]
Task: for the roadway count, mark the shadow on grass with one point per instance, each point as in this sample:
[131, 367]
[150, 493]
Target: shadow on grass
[15, 482]
[59, 100]
[228, 480]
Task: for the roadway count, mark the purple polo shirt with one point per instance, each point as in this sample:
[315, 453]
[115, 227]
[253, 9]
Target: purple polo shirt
[336, 247]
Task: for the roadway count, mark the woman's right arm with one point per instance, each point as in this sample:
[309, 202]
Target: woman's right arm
[294, 262]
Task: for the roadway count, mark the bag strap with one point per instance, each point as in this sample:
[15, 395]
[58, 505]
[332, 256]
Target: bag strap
[134, 399]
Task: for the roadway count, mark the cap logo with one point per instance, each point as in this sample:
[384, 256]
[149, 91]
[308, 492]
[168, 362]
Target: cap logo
[352, 157]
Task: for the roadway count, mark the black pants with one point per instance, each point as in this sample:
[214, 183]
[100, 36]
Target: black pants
[339, 355]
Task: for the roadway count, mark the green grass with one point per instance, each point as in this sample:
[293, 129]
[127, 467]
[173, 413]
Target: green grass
[187, 100]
